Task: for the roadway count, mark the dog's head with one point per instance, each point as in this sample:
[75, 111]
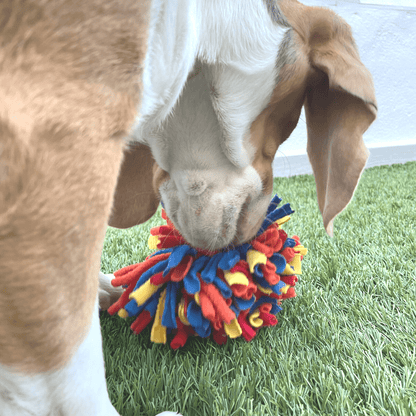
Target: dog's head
[213, 197]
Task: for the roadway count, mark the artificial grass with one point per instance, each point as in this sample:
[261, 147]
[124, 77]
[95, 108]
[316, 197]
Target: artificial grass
[345, 346]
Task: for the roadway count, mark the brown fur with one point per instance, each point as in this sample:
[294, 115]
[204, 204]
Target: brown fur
[69, 90]
[135, 199]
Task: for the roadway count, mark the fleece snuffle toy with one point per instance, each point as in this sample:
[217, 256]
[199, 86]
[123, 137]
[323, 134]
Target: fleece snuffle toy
[227, 293]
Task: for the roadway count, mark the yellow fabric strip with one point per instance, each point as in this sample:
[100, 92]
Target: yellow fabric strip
[237, 278]
[284, 290]
[300, 249]
[288, 271]
[153, 242]
[233, 329]
[281, 221]
[158, 332]
[254, 319]
[196, 297]
[296, 264]
[122, 313]
[254, 258]
[264, 290]
[181, 313]
[144, 292]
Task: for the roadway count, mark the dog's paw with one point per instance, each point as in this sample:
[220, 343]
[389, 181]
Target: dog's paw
[107, 293]
[168, 414]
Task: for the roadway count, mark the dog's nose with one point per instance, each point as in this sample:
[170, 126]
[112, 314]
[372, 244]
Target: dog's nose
[192, 183]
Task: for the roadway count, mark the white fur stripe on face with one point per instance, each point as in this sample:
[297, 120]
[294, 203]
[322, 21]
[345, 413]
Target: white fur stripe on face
[78, 388]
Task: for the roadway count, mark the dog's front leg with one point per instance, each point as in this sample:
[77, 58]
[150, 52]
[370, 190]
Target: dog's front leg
[78, 388]
[51, 236]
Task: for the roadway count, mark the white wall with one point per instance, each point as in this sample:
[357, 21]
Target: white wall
[385, 32]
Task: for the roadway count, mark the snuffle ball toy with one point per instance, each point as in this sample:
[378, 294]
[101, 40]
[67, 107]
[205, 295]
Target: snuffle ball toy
[226, 293]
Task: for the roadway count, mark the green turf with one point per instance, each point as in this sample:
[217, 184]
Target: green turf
[345, 346]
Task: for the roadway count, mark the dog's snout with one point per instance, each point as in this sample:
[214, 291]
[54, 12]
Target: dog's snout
[212, 208]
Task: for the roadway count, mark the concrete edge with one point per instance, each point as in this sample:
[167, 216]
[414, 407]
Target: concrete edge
[286, 166]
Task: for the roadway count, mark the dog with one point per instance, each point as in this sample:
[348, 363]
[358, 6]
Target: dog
[107, 107]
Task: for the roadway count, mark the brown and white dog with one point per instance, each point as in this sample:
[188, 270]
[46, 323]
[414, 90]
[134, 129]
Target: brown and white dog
[206, 91]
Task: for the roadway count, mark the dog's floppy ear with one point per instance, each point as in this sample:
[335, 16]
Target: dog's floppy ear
[340, 105]
[135, 200]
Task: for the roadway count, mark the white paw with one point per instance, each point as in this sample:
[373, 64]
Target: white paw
[107, 293]
[168, 414]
